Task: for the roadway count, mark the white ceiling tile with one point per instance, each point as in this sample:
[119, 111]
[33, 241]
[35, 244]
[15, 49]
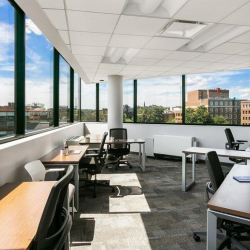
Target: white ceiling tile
[200, 71]
[108, 71]
[89, 39]
[193, 64]
[169, 73]
[104, 6]
[208, 10]
[98, 79]
[91, 22]
[91, 59]
[111, 66]
[131, 72]
[163, 43]
[246, 64]
[159, 68]
[57, 18]
[245, 53]
[217, 66]
[143, 61]
[230, 48]
[88, 50]
[128, 41]
[184, 56]
[148, 74]
[208, 57]
[48, 4]
[235, 59]
[89, 65]
[136, 67]
[169, 63]
[181, 70]
[145, 26]
[149, 53]
[236, 67]
[90, 71]
[245, 38]
[240, 16]
[64, 35]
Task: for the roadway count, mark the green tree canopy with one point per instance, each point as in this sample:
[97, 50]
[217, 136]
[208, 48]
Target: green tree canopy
[152, 114]
[199, 116]
[220, 120]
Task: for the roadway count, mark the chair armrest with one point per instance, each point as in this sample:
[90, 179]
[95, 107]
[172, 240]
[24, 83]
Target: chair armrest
[241, 141]
[55, 170]
[237, 143]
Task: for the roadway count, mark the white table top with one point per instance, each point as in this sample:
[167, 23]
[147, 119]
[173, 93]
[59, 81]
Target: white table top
[220, 152]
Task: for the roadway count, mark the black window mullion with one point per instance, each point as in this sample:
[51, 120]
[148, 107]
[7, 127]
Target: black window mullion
[71, 95]
[80, 98]
[56, 88]
[183, 83]
[19, 71]
[135, 100]
[97, 102]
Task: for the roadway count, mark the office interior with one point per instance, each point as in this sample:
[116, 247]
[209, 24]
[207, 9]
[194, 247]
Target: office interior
[167, 71]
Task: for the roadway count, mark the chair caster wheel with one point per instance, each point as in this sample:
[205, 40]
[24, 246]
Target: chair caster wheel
[196, 238]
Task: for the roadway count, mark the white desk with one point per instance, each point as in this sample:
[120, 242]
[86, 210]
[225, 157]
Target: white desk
[202, 151]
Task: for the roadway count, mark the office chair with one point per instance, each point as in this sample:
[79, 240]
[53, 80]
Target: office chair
[37, 172]
[233, 144]
[119, 150]
[233, 230]
[92, 164]
[55, 223]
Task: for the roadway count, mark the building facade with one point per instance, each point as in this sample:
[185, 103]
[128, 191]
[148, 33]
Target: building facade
[245, 112]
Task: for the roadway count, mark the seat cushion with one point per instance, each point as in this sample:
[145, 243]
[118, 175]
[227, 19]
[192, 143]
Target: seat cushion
[118, 151]
[71, 191]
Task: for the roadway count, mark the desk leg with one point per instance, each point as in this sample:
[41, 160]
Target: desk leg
[211, 230]
[76, 183]
[143, 158]
[140, 154]
[193, 167]
[183, 172]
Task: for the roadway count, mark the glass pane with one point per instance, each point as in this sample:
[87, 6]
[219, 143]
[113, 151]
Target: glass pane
[64, 92]
[218, 98]
[103, 102]
[88, 102]
[39, 79]
[7, 113]
[128, 101]
[76, 98]
[159, 100]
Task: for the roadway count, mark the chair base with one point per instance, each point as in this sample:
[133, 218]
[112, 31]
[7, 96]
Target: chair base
[118, 162]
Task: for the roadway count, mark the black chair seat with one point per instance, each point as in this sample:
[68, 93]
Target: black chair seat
[118, 151]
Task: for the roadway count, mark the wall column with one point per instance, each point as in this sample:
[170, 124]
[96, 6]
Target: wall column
[115, 102]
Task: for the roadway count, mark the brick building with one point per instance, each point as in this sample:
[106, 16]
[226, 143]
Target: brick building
[245, 112]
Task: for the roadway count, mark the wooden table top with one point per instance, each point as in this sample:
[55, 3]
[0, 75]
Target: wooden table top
[55, 157]
[220, 152]
[98, 141]
[233, 197]
[20, 213]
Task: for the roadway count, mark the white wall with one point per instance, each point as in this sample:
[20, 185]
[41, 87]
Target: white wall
[14, 155]
[208, 136]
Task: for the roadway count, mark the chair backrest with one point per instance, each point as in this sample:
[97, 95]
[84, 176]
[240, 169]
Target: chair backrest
[55, 222]
[100, 152]
[230, 137]
[214, 170]
[118, 134]
[36, 170]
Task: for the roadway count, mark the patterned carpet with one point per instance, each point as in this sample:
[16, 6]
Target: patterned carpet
[147, 211]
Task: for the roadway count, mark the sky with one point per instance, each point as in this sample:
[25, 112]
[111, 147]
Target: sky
[164, 91]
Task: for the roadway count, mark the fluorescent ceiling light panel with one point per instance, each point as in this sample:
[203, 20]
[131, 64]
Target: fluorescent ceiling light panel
[182, 29]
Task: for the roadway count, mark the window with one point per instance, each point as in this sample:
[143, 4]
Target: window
[159, 99]
[211, 110]
[39, 79]
[128, 101]
[103, 102]
[76, 98]
[7, 111]
[88, 102]
[216, 110]
[221, 87]
[211, 103]
[64, 92]
[226, 110]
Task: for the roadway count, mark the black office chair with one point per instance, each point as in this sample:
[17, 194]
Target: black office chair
[233, 230]
[93, 163]
[56, 222]
[119, 150]
[233, 144]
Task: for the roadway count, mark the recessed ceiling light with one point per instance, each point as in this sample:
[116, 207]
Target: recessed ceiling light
[182, 29]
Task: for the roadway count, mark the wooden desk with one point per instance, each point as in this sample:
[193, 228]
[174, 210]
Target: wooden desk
[20, 213]
[231, 202]
[202, 151]
[54, 159]
[96, 139]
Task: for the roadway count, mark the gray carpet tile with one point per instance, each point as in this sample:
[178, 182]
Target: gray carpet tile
[147, 211]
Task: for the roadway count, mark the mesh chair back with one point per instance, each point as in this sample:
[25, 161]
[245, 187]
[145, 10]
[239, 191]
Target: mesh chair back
[214, 169]
[36, 170]
[100, 152]
[55, 222]
[230, 137]
[119, 134]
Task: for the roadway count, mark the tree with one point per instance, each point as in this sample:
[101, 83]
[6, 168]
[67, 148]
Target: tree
[220, 120]
[152, 114]
[199, 116]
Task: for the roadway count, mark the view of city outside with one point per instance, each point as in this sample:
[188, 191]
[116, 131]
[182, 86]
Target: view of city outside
[159, 100]
[88, 102]
[39, 79]
[7, 113]
[218, 98]
[103, 102]
[64, 92]
[128, 100]
[76, 98]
